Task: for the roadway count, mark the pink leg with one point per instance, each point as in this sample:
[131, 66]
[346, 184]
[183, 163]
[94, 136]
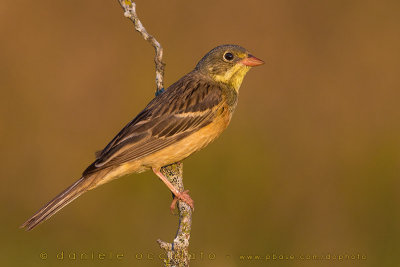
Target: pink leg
[184, 196]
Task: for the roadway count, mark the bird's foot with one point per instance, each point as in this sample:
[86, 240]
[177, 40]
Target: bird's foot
[182, 196]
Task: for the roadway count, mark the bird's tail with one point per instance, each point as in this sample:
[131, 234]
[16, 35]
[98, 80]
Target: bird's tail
[63, 199]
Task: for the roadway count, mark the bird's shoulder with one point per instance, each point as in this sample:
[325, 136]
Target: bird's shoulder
[193, 92]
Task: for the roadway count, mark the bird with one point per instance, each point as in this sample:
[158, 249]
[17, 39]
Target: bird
[186, 117]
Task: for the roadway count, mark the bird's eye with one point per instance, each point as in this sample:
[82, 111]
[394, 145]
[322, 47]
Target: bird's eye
[228, 56]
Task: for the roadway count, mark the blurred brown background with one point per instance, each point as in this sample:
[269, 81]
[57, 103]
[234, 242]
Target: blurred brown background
[309, 166]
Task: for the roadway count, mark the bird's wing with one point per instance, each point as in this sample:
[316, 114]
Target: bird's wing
[184, 108]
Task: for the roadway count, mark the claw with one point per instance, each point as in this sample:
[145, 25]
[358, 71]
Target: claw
[182, 196]
[173, 205]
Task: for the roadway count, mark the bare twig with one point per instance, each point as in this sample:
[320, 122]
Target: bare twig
[178, 251]
[130, 12]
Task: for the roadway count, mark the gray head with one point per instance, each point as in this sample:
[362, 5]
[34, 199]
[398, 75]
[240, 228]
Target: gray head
[227, 64]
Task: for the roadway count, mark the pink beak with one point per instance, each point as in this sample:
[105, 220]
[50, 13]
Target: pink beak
[252, 61]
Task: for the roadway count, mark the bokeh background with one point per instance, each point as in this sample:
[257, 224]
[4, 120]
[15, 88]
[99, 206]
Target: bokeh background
[309, 165]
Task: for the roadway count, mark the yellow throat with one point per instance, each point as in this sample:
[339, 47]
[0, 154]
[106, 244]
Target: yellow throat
[234, 76]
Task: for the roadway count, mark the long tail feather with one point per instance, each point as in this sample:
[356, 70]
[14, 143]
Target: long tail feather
[59, 202]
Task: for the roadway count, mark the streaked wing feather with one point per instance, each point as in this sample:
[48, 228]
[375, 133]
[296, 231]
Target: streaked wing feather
[184, 108]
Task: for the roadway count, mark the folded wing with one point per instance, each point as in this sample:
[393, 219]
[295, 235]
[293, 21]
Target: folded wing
[184, 108]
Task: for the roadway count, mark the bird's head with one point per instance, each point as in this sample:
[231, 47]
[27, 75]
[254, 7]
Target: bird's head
[228, 64]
